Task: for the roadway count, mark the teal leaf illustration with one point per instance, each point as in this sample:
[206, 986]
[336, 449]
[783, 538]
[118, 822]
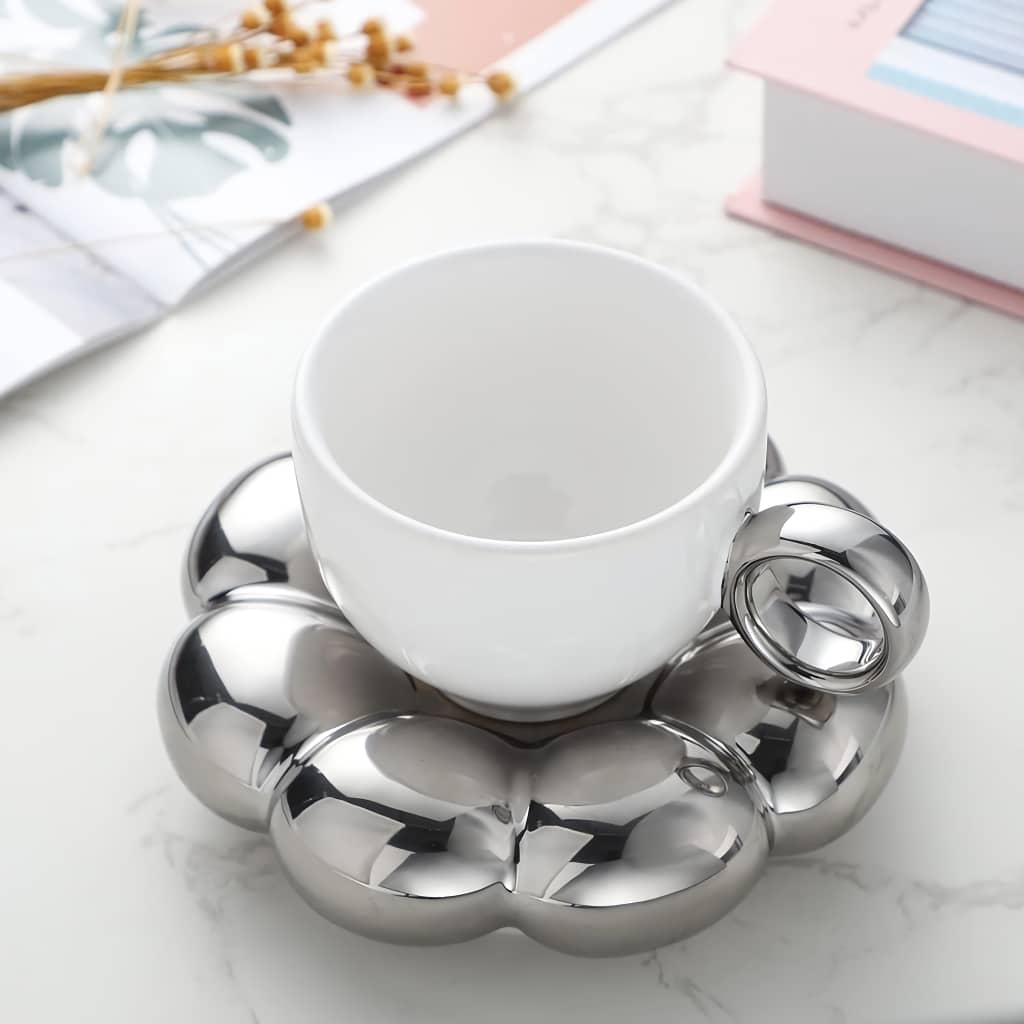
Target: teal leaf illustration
[161, 144]
[185, 157]
[7, 158]
[37, 153]
[269, 106]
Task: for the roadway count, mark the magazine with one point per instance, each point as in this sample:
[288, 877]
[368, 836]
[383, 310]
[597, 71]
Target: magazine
[193, 179]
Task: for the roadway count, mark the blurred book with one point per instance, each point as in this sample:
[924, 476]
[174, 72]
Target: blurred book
[894, 131]
[194, 180]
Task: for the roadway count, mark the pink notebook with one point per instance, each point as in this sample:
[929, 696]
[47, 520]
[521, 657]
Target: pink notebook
[950, 71]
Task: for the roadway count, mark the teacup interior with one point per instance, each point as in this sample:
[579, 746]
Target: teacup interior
[529, 392]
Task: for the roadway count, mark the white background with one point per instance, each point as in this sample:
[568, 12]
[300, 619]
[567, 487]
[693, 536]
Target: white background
[125, 901]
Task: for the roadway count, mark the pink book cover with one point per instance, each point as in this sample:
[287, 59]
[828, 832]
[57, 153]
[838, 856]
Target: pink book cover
[953, 68]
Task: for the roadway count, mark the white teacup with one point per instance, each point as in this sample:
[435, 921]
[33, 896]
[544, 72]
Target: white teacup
[523, 468]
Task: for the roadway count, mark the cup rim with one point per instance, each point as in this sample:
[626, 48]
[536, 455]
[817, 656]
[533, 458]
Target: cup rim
[750, 424]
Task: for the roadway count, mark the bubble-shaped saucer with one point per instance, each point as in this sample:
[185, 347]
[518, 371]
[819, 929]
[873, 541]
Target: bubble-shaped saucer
[401, 815]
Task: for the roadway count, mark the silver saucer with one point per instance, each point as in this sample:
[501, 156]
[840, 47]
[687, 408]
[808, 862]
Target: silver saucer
[405, 817]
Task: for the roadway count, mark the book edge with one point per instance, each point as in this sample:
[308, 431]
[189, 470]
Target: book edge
[747, 204]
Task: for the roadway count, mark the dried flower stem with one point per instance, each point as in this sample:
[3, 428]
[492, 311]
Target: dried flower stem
[21, 90]
[126, 29]
[264, 40]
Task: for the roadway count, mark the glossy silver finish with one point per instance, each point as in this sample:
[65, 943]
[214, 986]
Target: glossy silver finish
[825, 596]
[819, 759]
[791, 489]
[252, 680]
[252, 533]
[774, 467]
[427, 829]
[827, 599]
[402, 816]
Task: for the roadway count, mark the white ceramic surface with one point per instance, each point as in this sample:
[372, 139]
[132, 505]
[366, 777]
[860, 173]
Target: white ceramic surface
[522, 466]
[129, 902]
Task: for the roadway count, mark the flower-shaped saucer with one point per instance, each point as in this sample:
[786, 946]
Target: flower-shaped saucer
[403, 816]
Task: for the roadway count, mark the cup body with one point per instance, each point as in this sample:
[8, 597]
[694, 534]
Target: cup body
[522, 466]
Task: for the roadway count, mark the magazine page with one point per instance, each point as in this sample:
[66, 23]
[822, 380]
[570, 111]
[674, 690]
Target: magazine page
[60, 301]
[188, 174]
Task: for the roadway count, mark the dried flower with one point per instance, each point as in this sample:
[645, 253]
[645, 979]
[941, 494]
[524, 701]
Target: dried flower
[311, 57]
[266, 36]
[280, 25]
[228, 59]
[256, 57]
[502, 84]
[316, 218]
[359, 74]
[378, 49]
[254, 18]
[449, 84]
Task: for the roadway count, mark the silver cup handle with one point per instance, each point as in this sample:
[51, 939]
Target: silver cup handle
[825, 596]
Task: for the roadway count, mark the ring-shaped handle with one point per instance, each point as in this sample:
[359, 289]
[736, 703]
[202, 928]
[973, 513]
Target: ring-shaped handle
[825, 596]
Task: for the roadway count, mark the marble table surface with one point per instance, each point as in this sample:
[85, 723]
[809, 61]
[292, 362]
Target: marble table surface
[124, 900]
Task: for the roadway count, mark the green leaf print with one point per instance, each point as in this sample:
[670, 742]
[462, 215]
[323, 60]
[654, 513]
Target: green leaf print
[163, 142]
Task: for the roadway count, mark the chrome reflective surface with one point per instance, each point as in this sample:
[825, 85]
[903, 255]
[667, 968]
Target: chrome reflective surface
[825, 596]
[792, 489]
[819, 759]
[604, 840]
[250, 681]
[403, 816]
[252, 533]
[774, 466]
